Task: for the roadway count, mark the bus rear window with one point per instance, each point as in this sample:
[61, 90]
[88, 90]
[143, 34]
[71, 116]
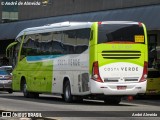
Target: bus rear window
[120, 33]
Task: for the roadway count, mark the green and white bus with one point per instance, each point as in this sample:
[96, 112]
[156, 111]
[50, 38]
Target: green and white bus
[103, 60]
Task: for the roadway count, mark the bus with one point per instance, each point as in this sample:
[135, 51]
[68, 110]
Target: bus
[153, 79]
[98, 60]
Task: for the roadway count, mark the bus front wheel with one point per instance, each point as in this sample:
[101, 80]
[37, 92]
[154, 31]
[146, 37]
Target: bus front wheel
[24, 90]
[28, 94]
[67, 92]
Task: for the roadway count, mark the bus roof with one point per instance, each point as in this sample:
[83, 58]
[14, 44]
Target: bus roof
[55, 27]
[66, 26]
[119, 22]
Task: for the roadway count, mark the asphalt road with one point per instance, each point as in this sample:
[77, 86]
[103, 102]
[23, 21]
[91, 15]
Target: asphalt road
[54, 107]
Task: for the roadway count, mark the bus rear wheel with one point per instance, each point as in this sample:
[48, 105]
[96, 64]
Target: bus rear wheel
[67, 92]
[112, 100]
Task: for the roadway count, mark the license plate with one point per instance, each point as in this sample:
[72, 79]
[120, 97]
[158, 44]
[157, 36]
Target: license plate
[121, 87]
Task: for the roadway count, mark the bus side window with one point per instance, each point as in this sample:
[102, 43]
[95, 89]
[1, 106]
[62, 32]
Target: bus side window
[76, 41]
[57, 46]
[15, 54]
[69, 41]
[82, 36]
[28, 47]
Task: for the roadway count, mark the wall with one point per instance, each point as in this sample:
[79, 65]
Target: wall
[65, 7]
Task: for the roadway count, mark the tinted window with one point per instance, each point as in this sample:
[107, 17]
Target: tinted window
[120, 33]
[8, 69]
[3, 72]
[29, 46]
[14, 56]
[76, 41]
[59, 42]
[83, 37]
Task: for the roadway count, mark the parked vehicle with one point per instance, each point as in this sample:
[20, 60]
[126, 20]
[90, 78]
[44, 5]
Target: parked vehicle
[153, 82]
[8, 68]
[5, 80]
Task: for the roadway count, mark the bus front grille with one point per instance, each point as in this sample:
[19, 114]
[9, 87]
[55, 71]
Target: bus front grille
[121, 54]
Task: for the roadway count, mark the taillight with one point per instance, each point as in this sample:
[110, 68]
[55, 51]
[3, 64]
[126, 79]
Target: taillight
[99, 23]
[144, 75]
[95, 72]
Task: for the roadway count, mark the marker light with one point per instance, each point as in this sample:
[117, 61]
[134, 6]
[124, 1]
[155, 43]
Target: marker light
[144, 75]
[95, 72]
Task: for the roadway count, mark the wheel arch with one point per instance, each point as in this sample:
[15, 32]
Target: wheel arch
[23, 80]
[66, 78]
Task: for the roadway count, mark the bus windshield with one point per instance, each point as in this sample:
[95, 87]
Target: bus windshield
[118, 33]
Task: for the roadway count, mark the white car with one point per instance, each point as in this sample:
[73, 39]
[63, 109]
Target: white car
[5, 80]
[8, 68]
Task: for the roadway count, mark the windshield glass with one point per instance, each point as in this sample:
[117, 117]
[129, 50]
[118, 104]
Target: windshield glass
[3, 72]
[120, 33]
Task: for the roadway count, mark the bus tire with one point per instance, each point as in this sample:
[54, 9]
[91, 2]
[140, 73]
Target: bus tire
[67, 92]
[24, 90]
[112, 100]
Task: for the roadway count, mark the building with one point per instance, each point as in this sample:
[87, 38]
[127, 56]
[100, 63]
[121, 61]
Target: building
[17, 15]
